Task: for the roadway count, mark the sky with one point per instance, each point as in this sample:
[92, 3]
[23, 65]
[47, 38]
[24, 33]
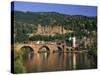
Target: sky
[60, 8]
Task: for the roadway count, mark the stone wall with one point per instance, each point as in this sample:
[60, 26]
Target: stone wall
[50, 30]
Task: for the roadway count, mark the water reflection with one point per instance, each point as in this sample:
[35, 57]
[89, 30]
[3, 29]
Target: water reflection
[57, 61]
[74, 61]
[27, 52]
[44, 56]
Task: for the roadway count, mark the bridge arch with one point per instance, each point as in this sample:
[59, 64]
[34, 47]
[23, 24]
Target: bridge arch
[27, 52]
[58, 49]
[27, 48]
[69, 49]
[44, 49]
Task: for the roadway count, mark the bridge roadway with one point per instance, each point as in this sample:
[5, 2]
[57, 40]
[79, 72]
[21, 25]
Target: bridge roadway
[35, 46]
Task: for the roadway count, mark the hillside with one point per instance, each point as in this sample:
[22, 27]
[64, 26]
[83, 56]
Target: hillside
[27, 23]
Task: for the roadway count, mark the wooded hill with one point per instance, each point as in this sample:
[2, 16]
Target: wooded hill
[53, 18]
[26, 22]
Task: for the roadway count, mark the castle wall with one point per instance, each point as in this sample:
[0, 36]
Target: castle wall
[49, 30]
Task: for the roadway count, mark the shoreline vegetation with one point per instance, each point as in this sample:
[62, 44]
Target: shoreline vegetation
[18, 65]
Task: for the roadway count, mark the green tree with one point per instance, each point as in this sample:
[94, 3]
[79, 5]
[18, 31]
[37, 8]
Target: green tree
[18, 65]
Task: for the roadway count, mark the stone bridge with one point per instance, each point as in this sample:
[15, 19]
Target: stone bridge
[36, 47]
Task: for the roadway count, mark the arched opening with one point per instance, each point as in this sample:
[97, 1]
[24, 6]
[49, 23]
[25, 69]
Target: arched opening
[27, 52]
[71, 49]
[44, 53]
[67, 49]
[58, 49]
[44, 49]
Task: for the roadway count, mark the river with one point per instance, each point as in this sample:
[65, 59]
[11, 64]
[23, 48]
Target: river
[41, 62]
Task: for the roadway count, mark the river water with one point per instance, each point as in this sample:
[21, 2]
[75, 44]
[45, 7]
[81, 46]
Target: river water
[41, 62]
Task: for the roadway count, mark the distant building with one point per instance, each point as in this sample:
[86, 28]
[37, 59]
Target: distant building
[50, 30]
[74, 42]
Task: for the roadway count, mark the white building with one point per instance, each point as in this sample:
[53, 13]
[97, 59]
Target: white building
[74, 41]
